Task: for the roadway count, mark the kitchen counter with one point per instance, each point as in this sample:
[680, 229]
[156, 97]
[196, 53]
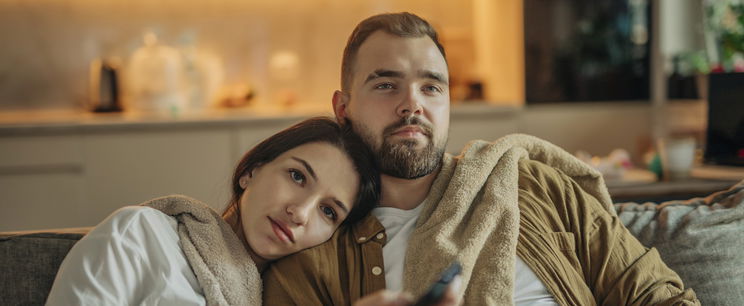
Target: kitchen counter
[52, 122]
[66, 121]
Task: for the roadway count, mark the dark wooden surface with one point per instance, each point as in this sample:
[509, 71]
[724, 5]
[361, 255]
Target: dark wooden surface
[666, 190]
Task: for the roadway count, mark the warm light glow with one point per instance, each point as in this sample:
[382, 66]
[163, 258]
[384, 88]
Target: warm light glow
[499, 39]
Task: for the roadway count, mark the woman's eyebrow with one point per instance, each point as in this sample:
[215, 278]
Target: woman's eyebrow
[307, 167]
[341, 206]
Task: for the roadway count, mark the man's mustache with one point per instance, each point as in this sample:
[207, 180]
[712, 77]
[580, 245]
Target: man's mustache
[426, 129]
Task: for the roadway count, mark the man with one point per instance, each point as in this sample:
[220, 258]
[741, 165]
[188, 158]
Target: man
[525, 232]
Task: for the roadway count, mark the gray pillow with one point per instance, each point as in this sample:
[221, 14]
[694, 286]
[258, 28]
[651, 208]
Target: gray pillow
[702, 239]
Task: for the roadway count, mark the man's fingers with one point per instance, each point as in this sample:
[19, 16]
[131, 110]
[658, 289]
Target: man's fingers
[451, 296]
[386, 298]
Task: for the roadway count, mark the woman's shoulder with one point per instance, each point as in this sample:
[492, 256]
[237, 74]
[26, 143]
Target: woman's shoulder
[128, 216]
[135, 212]
[137, 223]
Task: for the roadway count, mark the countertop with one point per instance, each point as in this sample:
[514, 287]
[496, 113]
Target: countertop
[65, 121]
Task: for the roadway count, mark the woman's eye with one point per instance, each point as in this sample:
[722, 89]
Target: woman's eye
[329, 212]
[297, 176]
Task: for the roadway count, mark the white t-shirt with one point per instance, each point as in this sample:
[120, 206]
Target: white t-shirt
[399, 224]
[131, 258]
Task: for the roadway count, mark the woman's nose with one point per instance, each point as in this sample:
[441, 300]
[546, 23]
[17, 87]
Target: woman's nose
[299, 214]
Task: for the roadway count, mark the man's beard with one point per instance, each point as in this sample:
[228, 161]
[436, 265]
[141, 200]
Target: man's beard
[401, 159]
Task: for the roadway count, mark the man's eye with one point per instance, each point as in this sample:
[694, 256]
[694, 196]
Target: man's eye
[329, 212]
[385, 86]
[432, 88]
[297, 176]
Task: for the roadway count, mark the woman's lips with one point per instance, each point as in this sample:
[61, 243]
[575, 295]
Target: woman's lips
[281, 231]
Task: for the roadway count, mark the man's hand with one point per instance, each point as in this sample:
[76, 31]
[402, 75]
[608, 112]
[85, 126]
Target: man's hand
[394, 298]
[387, 298]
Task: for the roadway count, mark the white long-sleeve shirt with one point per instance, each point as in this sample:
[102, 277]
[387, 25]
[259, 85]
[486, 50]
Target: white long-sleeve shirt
[132, 258]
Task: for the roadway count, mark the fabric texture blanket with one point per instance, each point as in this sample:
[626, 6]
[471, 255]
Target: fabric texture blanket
[471, 214]
[223, 267]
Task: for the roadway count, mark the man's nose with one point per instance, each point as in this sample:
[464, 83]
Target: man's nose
[410, 103]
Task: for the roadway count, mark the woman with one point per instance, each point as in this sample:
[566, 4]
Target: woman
[289, 193]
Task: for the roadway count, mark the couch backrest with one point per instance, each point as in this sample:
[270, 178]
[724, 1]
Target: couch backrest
[29, 262]
[702, 239]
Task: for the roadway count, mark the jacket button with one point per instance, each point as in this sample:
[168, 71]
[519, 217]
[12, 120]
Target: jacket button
[361, 239]
[376, 270]
[380, 236]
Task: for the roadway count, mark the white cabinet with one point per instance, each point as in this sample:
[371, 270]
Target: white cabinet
[250, 136]
[41, 182]
[40, 152]
[78, 177]
[42, 200]
[127, 168]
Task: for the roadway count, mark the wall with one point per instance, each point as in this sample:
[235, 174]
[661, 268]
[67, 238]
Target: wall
[682, 27]
[48, 44]
[597, 128]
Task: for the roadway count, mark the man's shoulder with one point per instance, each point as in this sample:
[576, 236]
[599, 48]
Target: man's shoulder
[309, 274]
[327, 258]
[316, 258]
[538, 171]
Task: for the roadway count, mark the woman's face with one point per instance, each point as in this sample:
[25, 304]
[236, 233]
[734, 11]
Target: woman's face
[297, 200]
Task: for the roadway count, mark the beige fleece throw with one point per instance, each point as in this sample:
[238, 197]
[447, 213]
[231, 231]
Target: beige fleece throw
[223, 267]
[471, 215]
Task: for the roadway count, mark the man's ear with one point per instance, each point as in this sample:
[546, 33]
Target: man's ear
[340, 102]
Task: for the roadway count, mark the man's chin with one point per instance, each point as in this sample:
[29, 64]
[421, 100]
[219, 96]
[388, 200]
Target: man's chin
[417, 144]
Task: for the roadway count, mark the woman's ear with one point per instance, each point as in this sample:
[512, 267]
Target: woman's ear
[243, 181]
[246, 178]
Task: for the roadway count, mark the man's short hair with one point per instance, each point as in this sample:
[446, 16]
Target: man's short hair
[400, 24]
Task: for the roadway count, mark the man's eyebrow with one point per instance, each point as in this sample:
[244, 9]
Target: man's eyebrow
[434, 76]
[381, 73]
[307, 167]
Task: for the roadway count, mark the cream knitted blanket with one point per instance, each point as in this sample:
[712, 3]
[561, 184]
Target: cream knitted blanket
[223, 267]
[471, 215]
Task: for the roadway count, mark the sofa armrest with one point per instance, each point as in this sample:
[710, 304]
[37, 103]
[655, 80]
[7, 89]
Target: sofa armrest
[29, 261]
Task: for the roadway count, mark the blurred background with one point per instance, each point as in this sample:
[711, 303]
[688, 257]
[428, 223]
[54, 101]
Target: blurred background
[109, 103]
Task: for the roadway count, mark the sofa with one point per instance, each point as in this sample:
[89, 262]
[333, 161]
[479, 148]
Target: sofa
[701, 238]
[29, 261]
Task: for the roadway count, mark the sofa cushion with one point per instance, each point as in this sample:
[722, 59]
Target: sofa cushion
[702, 239]
[29, 262]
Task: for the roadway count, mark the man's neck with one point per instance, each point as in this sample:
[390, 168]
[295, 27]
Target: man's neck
[404, 193]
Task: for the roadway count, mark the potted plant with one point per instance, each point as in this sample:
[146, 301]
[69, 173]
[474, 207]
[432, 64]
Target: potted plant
[724, 35]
